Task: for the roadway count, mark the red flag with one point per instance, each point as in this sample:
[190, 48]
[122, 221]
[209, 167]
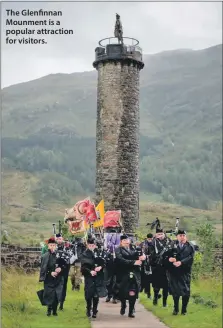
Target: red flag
[91, 214]
[112, 219]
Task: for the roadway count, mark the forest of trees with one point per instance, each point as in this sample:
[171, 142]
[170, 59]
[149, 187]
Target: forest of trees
[66, 166]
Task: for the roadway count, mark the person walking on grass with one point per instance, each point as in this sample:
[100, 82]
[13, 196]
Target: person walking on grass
[51, 273]
[179, 262]
[61, 246]
[159, 277]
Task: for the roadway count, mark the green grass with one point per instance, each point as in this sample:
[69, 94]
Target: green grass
[199, 315]
[21, 307]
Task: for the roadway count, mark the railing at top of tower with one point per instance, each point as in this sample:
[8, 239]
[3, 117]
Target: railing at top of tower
[129, 49]
[130, 43]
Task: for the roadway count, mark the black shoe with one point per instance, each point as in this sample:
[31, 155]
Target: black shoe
[88, 313]
[48, 312]
[94, 315]
[149, 296]
[164, 304]
[108, 299]
[175, 312]
[184, 312]
[114, 301]
[159, 296]
[122, 311]
[131, 315]
[55, 314]
[77, 288]
[61, 307]
[155, 301]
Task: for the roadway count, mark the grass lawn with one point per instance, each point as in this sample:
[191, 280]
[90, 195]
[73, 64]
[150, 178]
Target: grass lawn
[21, 307]
[199, 315]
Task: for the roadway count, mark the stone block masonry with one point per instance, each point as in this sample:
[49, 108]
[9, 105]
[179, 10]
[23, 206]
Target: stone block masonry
[117, 140]
[26, 258]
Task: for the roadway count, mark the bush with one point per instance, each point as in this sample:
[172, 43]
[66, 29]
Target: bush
[197, 265]
[206, 241]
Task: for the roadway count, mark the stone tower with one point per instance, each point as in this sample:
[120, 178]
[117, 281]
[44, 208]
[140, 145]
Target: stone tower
[118, 62]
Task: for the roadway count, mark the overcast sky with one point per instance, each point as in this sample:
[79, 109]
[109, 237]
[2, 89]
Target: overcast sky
[158, 27]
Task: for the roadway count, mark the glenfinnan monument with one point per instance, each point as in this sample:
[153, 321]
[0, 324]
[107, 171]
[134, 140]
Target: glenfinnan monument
[118, 61]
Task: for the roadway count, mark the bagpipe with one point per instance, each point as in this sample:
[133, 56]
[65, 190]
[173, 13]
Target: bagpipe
[169, 246]
[62, 259]
[100, 256]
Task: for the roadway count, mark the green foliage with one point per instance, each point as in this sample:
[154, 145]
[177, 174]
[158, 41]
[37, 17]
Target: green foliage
[30, 217]
[65, 231]
[4, 238]
[197, 265]
[49, 126]
[54, 186]
[206, 241]
[204, 308]
[198, 299]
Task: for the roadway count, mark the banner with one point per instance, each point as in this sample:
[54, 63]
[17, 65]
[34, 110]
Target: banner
[112, 219]
[100, 210]
[90, 215]
[112, 240]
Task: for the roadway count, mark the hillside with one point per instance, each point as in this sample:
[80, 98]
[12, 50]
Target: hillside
[28, 222]
[48, 132]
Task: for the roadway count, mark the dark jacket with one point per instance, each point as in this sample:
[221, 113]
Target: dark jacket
[159, 277]
[78, 249]
[125, 260]
[52, 286]
[94, 285]
[179, 278]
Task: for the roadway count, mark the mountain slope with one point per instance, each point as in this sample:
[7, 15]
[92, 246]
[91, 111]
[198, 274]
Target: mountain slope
[49, 129]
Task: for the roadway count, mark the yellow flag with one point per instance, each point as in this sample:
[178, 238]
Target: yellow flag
[101, 209]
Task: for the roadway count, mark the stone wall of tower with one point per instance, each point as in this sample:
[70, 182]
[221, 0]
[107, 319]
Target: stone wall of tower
[117, 140]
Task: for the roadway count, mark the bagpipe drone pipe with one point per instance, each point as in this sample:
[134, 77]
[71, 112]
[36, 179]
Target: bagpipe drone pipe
[62, 259]
[100, 256]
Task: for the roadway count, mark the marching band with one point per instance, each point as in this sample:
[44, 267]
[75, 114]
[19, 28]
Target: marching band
[118, 272]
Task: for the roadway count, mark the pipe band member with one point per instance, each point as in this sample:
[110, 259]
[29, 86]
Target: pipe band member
[179, 263]
[128, 274]
[146, 272]
[61, 246]
[94, 286]
[51, 273]
[159, 278]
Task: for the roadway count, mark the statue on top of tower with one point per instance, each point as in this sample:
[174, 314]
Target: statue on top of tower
[118, 29]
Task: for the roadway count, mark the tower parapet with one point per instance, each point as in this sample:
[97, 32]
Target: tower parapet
[110, 50]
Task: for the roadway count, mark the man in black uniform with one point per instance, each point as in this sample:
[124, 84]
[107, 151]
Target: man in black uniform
[159, 277]
[92, 268]
[51, 273]
[179, 263]
[128, 274]
[63, 248]
[146, 271]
